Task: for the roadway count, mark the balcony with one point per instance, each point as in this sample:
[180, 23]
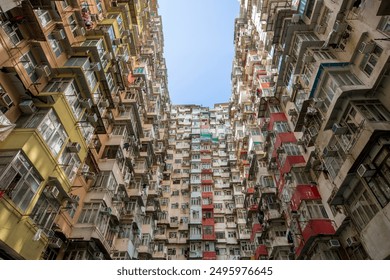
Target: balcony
[261, 251]
[209, 256]
[314, 228]
[196, 254]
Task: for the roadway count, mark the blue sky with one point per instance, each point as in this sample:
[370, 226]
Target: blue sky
[198, 48]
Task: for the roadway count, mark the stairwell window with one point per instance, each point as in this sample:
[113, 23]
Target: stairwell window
[370, 60]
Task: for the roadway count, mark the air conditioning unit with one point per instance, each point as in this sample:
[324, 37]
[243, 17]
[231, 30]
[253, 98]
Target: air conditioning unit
[338, 129]
[73, 147]
[364, 170]
[108, 56]
[308, 58]
[117, 41]
[52, 191]
[27, 107]
[98, 256]
[43, 70]
[330, 152]
[367, 47]
[352, 240]
[318, 102]
[55, 242]
[80, 31]
[106, 210]
[126, 33]
[340, 27]
[105, 103]
[92, 118]
[320, 29]
[96, 66]
[6, 99]
[292, 112]
[295, 18]
[59, 34]
[334, 243]
[86, 103]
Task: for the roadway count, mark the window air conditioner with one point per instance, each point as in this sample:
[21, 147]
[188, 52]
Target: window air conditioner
[92, 118]
[104, 103]
[43, 70]
[55, 242]
[96, 66]
[366, 47]
[98, 256]
[340, 27]
[59, 34]
[338, 129]
[80, 31]
[320, 29]
[330, 152]
[73, 147]
[52, 191]
[308, 58]
[364, 170]
[27, 107]
[334, 243]
[292, 112]
[86, 103]
[117, 41]
[352, 240]
[295, 18]
[126, 33]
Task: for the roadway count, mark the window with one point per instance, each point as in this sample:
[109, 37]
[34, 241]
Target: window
[73, 25]
[145, 240]
[70, 163]
[121, 256]
[232, 234]
[362, 206]
[370, 60]
[114, 152]
[384, 25]
[71, 93]
[173, 234]
[50, 128]
[45, 211]
[106, 180]
[89, 213]
[219, 220]
[19, 179]
[220, 235]
[30, 65]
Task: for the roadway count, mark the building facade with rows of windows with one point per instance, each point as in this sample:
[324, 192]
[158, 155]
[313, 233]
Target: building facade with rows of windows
[84, 110]
[313, 77]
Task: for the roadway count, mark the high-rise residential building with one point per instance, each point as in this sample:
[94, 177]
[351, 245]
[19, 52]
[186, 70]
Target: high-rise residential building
[96, 163]
[84, 119]
[313, 77]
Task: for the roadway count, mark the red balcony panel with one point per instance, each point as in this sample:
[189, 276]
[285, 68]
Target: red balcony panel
[207, 171]
[206, 160]
[209, 255]
[261, 251]
[255, 229]
[207, 194]
[290, 162]
[207, 207]
[209, 236]
[276, 117]
[207, 182]
[208, 222]
[314, 228]
[253, 207]
[250, 191]
[304, 192]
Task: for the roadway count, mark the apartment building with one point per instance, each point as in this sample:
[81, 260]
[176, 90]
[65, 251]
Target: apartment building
[313, 77]
[84, 119]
